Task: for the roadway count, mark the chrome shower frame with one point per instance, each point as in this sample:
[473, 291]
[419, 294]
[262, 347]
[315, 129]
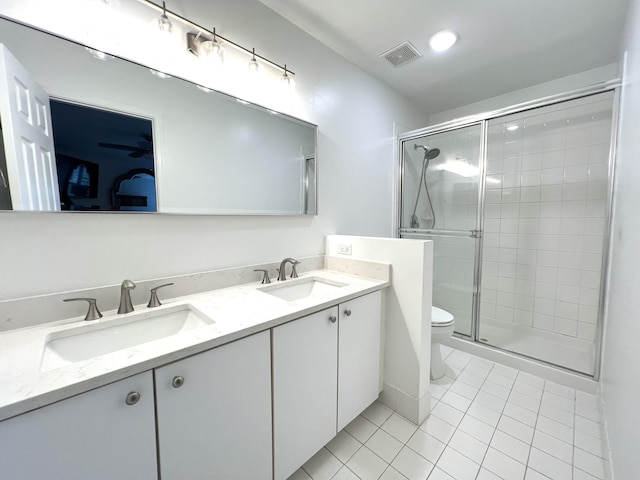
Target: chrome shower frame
[482, 120]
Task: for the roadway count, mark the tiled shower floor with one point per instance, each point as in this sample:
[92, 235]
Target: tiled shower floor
[487, 422]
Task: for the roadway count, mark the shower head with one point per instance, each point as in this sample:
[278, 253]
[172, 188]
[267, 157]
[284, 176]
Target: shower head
[429, 153]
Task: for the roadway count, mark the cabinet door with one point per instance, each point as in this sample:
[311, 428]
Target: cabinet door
[217, 423]
[304, 389]
[358, 356]
[94, 435]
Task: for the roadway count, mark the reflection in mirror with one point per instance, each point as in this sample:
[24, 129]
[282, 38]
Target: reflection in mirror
[202, 152]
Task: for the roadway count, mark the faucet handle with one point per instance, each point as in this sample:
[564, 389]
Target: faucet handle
[265, 275]
[294, 274]
[154, 301]
[93, 313]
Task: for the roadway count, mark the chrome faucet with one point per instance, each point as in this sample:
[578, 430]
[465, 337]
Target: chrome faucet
[282, 275]
[125, 297]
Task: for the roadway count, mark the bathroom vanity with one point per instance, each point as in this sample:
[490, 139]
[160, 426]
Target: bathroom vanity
[256, 380]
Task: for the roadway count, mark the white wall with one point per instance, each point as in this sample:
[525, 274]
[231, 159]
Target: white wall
[554, 87]
[621, 369]
[43, 253]
[407, 316]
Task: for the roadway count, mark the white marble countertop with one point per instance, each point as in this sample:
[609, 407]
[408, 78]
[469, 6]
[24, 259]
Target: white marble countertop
[236, 311]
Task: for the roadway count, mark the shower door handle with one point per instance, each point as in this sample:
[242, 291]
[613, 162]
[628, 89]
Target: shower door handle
[475, 234]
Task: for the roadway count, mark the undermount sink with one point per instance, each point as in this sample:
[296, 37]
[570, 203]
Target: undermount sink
[96, 339]
[292, 290]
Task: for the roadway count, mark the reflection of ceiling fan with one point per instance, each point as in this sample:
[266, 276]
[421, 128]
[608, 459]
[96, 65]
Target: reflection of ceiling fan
[145, 147]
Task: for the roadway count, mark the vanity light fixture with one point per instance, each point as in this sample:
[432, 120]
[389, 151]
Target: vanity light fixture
[443, 40]
[217, 42]
[164, 24]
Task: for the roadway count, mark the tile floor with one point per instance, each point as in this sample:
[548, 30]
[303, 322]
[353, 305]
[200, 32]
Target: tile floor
[487, 422]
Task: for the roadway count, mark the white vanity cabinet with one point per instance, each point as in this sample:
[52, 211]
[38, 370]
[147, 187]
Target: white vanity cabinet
[101, 434]
[358, 356]
[326, 370]
[214, 413]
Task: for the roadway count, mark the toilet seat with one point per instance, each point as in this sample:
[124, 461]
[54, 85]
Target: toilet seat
[440, 318]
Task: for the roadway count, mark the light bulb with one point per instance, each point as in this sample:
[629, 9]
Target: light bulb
[443, 40]
[212, 50]
[286, 80]
[164, 24]
[253, 63]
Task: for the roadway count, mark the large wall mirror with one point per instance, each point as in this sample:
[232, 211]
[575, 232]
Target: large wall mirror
[81, 133]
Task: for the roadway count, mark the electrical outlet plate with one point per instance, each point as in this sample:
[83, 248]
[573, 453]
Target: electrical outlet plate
[344, 249]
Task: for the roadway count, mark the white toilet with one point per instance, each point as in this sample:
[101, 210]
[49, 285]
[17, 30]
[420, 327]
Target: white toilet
[441, 329]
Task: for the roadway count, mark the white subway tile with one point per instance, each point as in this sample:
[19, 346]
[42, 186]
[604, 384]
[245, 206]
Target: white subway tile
[530, 194]
[525, 287]
[527, 256]
[492, 225]
[593, 244]
[543, 322]
[526, 272]
[523, 317]
[527, 241]
[576, 174]
[572, 226]
[530, 210]
[524, 302]
[597, 191]
[571, 243]
[512, 162]
[553, 159]
[590, 279]
[568, 294]
[494, 163]
[493, 182]
[507, 270]
[598, 172]
[548, 242]
[546, 274]
[510, 195]
[589, 297]
[578, 137]
[576, 156]
[509, 210]
[507, 285]
[492, 197]
[550, 209]
[532, 162]
[509, 225]
[554, 141]
[587, 331]
[508, 255]
[550, 226]
[594, 226]
[504, 314]
[492, 210]
[596, 208]
[490, 268]
[570, 260]
[599, 153]
[546, 290]
[570, 277]
[490, 254]
[544, 306]
[491, 240]
[489, 281]
[575, 208]
[531, 178]
[588, 314]
[508, 240]
[574, 191]
[547, 258]
[511, 180]
[487, 310]
[566, 310]
[592, 261]
[552, 176]
[551, 193]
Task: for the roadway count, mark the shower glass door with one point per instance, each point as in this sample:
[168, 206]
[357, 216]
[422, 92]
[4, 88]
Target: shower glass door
[440, 194]
[546, 204]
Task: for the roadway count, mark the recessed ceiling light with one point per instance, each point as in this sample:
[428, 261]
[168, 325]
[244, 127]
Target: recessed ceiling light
[443, 40]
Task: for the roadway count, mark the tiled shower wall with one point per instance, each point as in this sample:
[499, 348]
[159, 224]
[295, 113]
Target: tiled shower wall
[544, 222]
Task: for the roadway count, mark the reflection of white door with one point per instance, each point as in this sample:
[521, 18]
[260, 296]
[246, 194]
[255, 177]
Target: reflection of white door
[28, 138]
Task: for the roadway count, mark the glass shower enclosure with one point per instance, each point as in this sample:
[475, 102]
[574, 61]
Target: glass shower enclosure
[517, 203]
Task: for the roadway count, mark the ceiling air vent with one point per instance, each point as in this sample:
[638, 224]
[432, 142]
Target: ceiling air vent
[403, 53]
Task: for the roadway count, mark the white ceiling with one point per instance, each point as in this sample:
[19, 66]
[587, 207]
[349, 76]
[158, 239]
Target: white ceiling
[504, 45]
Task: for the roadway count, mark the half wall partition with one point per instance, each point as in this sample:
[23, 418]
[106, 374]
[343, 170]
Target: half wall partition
[517, 204]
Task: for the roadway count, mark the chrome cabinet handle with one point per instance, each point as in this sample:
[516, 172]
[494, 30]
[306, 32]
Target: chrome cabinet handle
[177, 381]
[333, 319]
[132, 398]
[347, 312]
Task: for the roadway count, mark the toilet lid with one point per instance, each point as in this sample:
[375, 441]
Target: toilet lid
[440, 317]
